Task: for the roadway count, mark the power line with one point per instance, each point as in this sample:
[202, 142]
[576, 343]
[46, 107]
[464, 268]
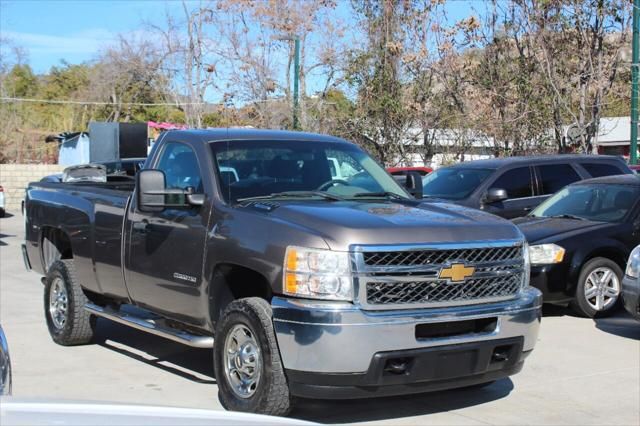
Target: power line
[6, 99]
[64, 102]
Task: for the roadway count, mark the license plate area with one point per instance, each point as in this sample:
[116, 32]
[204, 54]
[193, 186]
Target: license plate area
[439, 330]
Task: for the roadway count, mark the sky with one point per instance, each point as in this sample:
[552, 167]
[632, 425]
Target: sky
[74, 30]
[50, 31]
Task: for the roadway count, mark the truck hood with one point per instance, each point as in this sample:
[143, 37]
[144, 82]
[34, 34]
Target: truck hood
[346, 223]
[537, 229]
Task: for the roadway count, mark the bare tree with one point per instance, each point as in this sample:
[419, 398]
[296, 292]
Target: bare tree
[579, 50]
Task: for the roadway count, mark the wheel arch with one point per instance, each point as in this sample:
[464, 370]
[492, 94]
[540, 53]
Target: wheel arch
[230, 282]
[55, 244]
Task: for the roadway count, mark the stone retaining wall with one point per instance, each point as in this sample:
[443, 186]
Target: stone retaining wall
[15, 177]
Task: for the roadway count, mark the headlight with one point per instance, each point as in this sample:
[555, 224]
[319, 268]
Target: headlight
[633, 266]
[543, 254]
[317, 274]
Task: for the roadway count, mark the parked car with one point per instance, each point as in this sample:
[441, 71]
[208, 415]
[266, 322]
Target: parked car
[635, 168]
[580, 239]
[296, 274]
[5, 365]
[2, 204]
[511, 187]
[631, 284]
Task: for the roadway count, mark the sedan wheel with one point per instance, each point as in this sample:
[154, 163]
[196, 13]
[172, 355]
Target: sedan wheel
[602, 289]
[598, 288]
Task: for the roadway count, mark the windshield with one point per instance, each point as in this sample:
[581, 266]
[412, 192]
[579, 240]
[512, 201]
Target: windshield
[453, 183]
[249, 169]
[597, 202]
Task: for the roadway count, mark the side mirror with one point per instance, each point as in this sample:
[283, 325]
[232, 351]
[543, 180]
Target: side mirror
[150, 187]
[495, 195]
[153, 196]
[413, 183]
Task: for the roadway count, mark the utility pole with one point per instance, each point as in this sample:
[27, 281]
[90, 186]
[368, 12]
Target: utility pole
[635, 59]
[296, 78]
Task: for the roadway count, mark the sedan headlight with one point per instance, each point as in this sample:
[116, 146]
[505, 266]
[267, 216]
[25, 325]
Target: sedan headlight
[633, 266]
[317, 274]
[544, 254]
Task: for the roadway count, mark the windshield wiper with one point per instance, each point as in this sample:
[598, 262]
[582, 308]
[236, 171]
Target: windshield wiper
[567, 216]
[294, 194]
[385, 194]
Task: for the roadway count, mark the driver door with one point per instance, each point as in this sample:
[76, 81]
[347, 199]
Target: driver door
[165, 253]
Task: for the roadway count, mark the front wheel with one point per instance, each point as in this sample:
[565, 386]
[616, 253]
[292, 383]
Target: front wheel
[598, 288]
[247, 362]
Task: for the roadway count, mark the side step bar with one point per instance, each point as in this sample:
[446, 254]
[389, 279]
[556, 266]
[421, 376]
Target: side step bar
[150, 327]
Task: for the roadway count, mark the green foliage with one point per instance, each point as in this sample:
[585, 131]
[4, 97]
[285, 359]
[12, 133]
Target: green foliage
[20, 82]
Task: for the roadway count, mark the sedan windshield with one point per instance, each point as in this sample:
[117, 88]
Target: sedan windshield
[453, 183]
[597, 202]
[298, 169]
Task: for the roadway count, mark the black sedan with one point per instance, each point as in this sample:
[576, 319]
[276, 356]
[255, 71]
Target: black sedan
[580, 240]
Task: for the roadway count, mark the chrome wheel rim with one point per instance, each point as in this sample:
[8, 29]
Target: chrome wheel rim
[58, 303]
[602, 288]
[242, 363]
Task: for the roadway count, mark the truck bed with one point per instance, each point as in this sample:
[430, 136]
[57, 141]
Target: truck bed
[91, 215]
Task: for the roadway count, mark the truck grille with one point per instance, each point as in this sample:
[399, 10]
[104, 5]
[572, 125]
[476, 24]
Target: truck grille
[396, 279]
[422, 292]
[430, 257]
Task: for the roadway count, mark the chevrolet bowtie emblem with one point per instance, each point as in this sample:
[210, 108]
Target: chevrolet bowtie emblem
[457, 272]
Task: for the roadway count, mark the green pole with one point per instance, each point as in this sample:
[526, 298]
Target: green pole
[296, 77]
[634, 83]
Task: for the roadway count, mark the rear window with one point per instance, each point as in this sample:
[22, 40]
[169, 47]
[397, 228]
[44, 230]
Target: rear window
[517, 182]
[601, 169]
[554, 177]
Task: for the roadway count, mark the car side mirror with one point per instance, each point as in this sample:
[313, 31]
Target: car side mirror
[495, 195]
[150, 187]
[153, 195]
[413, 183]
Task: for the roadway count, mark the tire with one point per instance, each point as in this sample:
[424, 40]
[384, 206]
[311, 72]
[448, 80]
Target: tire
[2, 213]
[75, 326]
[247, 324]
[611, 293]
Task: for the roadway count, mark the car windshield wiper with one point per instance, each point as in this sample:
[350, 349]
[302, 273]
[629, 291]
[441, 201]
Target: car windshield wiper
[385, 194]
[567, 216]
[294, 194]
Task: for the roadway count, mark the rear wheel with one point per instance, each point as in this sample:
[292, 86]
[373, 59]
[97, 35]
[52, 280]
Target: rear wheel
[247, 363]
[598, 289]
[68, 322]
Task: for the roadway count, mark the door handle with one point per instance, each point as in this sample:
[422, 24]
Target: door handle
[141, 227]
[527, 209]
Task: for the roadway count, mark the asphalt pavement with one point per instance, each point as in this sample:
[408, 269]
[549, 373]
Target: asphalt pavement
[582, 372]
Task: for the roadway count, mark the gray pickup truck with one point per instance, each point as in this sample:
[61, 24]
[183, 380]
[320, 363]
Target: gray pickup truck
[312, 284]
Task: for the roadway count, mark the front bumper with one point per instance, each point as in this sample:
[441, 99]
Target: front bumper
[335, 350]
[631, 295]
[552, 281]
